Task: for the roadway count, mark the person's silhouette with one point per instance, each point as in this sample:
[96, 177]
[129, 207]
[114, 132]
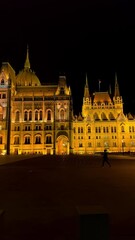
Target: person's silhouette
[105, 158]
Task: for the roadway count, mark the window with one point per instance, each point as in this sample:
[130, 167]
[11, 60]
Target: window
[48, 139]
[2, 82]
[17, 116]
[62, 90]
[1, 139]
[89, 144]
[27, 140]
[25, 116]
[48, 127]
[89, 129]
[38, 127]
[122, 129]
[3, 95]
[62, 127]
[38, 140]
[36, 115]
[48, 115]
[80, 145]
[16, 140]
[30, 115]
[40, 115]
[62, 114]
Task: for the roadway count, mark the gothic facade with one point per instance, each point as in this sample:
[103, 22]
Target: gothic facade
[39, 119]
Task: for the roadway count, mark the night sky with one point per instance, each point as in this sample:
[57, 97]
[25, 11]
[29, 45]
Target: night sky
[75, 38]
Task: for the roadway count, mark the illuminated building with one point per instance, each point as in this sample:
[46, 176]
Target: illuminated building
[38, 119]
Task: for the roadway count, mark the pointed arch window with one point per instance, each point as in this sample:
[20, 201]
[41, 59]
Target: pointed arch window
[122, 129]
[40, 115]
[49, 115]
[89, 129]
[25, 116]
[2, 82]
[30, 115]
[62, 114]
[36, 115]
[17, 116]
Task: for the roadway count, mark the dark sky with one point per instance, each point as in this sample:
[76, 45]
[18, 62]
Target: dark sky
[73, 37]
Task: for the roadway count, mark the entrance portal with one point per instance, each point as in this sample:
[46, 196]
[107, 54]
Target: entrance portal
[62, 145]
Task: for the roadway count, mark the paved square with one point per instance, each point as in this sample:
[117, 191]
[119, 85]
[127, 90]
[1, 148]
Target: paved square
[40, 195]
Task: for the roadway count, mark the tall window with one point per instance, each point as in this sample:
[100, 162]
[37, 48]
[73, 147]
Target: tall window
[2, 82]
[48, 115]
[38, 140]
[40, 115]
[36, 115]
[1, 139]
[25, 116]
[48, 139]
[17, 116]
[122, 129]
[30, 115]
[27, 140]
[62, 114]
[89, 129]
[16, 140]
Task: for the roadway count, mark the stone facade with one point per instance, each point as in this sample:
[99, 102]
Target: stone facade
[39, 119]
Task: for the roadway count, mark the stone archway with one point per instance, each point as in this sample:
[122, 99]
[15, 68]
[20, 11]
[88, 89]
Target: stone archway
[62, 145]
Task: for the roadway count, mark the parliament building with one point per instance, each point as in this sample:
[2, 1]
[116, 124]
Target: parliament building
[39, 119]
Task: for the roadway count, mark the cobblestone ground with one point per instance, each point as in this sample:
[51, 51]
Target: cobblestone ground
[40, 195]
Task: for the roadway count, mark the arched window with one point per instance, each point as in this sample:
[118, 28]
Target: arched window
[48, 115]
[16, 140]
[1, 139]
[17, 116]
[30, 115]
[40, 115]
[89, 129]
[2, 82]
[62, 114]
[122, 129]
[36, 115]
[48, 139]
[25, 116]
[27, 140]
[38, 140]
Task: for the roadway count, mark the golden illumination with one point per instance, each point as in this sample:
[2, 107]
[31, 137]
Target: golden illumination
[38, 119]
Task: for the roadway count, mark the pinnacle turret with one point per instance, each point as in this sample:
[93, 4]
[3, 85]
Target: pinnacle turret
[27, 61]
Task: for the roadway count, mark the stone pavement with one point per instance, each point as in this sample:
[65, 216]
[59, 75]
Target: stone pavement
[40, 195]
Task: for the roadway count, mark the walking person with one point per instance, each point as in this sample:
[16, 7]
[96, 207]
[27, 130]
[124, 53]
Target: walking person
[105, 159]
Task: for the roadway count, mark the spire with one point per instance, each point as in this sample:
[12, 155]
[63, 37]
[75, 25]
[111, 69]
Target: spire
[116, 91]
[27, 61]
[86, 89]
[110, 89]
